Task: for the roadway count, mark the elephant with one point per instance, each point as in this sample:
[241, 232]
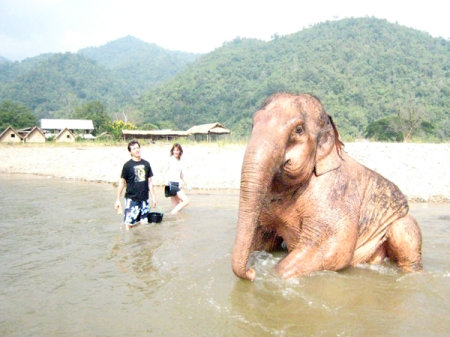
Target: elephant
[301, 191]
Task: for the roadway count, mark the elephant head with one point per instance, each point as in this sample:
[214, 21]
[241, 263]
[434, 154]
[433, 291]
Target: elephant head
[292, 139]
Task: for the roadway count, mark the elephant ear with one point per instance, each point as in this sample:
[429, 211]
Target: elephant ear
[328, 149]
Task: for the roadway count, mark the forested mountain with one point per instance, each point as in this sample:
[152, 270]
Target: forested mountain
[3, 59]
[53, 85]
[372, 76]
[140, 64]
[363, 70]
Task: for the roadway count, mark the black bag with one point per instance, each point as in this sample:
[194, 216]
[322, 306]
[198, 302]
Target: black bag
[171, 190]
[155, 216]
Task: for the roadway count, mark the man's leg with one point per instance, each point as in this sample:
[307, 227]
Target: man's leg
[132, 211]
[144, 212]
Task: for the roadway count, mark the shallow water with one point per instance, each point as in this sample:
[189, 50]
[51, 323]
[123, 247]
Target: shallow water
[68, 268]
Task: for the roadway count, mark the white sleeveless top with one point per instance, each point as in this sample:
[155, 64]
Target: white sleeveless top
[175, 168]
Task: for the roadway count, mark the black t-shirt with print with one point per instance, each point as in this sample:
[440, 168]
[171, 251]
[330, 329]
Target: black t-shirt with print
[136, 174]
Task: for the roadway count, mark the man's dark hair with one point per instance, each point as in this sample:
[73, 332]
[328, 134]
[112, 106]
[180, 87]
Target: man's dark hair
[130, 144]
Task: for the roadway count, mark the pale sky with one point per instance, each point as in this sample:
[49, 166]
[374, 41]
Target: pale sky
[32, 27]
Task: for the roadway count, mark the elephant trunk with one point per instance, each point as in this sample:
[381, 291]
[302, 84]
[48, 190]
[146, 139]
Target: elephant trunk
[261, 161]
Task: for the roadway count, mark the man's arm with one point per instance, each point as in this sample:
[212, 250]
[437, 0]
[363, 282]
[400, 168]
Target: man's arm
[152, 191]
[120, 188]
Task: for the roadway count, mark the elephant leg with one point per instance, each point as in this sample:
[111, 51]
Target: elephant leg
[319, 253]
[265, 240]
[299, 262]
[307, 259]
[303, 261]
[404, 242]
[379, 255]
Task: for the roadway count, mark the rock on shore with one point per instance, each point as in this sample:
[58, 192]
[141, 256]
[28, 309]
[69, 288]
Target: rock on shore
[420, 170]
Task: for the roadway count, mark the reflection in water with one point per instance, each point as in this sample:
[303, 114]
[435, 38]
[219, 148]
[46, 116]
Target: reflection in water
[67, 267]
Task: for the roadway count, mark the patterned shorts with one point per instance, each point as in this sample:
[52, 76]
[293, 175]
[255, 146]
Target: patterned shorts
[135, 211]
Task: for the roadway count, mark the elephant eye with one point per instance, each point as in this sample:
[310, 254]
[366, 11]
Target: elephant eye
[299, 129]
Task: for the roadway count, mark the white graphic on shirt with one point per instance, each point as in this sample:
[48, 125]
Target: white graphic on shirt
[139, 173]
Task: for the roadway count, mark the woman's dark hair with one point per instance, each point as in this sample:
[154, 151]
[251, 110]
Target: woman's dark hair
[130, 144]
[178, 146]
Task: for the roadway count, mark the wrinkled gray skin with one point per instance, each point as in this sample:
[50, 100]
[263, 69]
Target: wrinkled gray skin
[300, 187]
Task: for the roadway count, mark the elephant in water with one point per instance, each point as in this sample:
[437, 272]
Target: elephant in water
[298, 186]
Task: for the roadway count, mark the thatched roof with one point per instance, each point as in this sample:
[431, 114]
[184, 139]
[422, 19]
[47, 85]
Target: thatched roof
[11, 129]
[70, 136]
[25, 130]
[34, 130]
[72, 124]
[161, 133]
[204, 129]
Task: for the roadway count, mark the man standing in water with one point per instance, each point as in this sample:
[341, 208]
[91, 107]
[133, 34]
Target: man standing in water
[137, 177]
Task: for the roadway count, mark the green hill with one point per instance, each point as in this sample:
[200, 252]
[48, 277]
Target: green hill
[363, 70]
[141, 65]
[53, 85]
[372, 76]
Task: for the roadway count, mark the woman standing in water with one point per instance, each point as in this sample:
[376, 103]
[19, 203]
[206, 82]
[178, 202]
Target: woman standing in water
[174, 177]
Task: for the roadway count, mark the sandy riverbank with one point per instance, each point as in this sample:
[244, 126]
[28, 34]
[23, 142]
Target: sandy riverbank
[420, 170]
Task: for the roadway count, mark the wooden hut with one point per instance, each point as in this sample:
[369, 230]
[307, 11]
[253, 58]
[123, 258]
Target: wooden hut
[35, 135]
[208, 131]
[153, 134]
[65, 136]
[81, 127]
[25, 131]
[9, 135]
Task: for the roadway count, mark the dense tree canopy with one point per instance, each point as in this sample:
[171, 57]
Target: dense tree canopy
[368, 73]
[15, 115]
[95, 111]
[139, 64]
[363, 70]
[54, 85]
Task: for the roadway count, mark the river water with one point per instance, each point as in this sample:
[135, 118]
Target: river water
[68, 268]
